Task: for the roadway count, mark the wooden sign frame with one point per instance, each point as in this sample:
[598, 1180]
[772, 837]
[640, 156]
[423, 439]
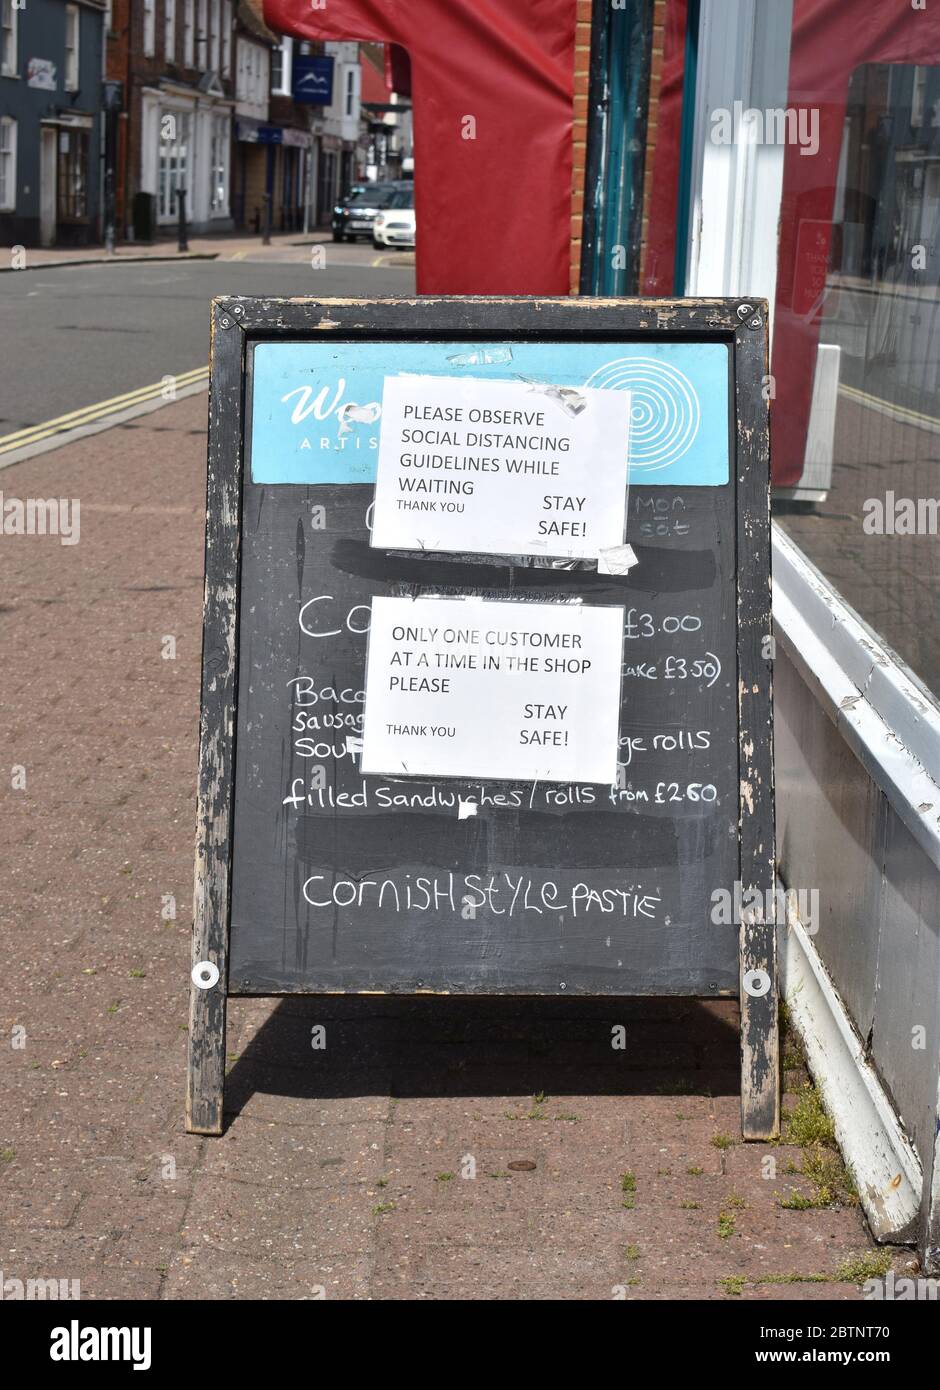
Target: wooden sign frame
[236, 324]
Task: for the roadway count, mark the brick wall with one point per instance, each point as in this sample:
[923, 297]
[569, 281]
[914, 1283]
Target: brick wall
[582, 64]
[581, 84]
[656, 74]
[126, 62]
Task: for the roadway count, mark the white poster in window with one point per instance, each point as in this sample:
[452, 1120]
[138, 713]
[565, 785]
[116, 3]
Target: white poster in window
[483, 688]
[501, 467]
[41, 74]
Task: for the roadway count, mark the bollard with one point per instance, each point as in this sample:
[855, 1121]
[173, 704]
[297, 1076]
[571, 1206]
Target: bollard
[182, 244]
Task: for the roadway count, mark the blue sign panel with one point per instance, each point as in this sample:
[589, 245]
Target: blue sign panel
[313, 78]
[304, 429]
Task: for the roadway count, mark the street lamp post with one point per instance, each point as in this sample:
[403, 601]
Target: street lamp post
[111, 101]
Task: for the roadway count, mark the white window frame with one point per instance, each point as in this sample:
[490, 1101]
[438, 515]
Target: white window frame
[226, 38]
[189, 33]
[169, 30]
[202, 34]
[8, 203]
[10, 27]
[349, 96]
[185, 118]
[72, 49]
[743, 55]
[251, 88]
[215, 25]
[286, 47]
[220, 137]
[150, 28]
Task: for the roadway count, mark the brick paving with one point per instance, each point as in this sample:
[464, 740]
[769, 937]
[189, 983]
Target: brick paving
[436, 1148]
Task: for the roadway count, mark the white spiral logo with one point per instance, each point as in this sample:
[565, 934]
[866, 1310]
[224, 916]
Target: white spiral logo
[664, 413]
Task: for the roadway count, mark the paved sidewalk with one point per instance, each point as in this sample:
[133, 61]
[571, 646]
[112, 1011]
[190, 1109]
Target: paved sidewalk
[285, 247]
[349, 1170]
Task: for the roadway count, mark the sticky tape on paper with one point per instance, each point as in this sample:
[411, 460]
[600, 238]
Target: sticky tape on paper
[359, 414]
[571, 400]
[482, 357]
[616, 559]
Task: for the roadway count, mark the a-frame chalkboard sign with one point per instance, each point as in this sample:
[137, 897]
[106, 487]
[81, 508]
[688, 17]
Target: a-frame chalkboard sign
[486, 690]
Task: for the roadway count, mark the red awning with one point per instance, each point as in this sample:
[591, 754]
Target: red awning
[374, 89]
[492, 90]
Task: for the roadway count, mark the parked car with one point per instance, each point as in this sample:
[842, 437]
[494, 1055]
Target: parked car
[395, 224]
[353, 217]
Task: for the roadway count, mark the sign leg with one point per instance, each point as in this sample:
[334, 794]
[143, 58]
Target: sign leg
[206, 1071]
[760, 1042]
[205, 1082]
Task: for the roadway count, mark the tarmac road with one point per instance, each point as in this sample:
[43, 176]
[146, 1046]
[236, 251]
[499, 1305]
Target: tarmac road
[77, 335]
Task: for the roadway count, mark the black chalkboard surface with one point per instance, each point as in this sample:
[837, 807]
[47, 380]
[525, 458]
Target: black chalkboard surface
[315, 875]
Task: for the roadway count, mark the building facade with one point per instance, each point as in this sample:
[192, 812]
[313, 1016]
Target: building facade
[340, 154]
[175, 60]
[296, 128]
[386, 111]
[50, 122]
[254, 46]
[289, 142]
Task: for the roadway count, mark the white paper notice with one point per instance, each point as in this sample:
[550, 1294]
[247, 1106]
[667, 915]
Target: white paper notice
[486, 688]
[501, 467]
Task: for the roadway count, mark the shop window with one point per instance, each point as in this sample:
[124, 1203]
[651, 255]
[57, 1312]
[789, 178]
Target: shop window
[860, 285]
[828, 206]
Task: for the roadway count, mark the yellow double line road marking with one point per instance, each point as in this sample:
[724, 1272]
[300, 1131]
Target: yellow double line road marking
[902, 413]
[89, 414]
